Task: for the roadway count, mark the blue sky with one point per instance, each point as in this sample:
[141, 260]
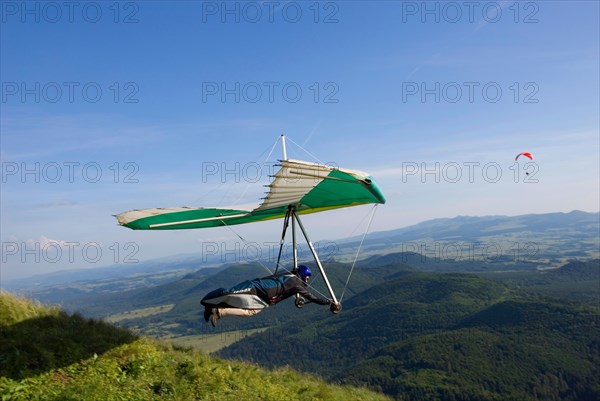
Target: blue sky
[108, 107]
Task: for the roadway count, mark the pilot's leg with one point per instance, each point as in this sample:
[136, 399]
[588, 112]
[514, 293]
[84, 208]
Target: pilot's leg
[218, 313]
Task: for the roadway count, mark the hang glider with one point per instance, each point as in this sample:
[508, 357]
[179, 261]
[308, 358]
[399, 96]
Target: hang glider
[298, 187]
[308, 187]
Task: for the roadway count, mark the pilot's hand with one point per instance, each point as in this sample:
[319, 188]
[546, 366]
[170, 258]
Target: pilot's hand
[335, 308]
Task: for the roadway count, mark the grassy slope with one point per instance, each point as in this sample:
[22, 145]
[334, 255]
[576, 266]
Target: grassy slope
[46, 354]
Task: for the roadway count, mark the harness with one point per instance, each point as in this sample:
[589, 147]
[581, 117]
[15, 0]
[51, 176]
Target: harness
[280, 289]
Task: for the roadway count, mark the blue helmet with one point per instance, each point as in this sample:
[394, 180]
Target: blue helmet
[303, 272]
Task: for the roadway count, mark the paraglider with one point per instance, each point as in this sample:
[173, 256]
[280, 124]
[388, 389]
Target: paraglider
[298, 188]
[526, 154]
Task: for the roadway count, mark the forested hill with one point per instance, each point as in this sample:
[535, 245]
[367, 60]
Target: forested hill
[46, 354]
[578, 270]
[579, 279]
[428, 336]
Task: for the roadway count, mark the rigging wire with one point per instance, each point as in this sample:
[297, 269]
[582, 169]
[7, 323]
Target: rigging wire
[360, 224]
[358, 250]
[306, 151]
[260, 166]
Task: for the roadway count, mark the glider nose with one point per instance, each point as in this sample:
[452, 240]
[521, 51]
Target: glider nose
[375, 190]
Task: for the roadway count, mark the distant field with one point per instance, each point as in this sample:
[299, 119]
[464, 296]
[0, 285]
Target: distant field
[209, 343]
[137, 313]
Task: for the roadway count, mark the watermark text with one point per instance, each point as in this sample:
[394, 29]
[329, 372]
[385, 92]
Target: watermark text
[453, 12]
[54, 12]
[69, 172]
[69, 92]
[53, 251]
[469, 92]
[269, 92]
[252, 12]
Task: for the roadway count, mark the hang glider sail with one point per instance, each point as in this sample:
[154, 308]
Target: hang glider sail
[307, 187]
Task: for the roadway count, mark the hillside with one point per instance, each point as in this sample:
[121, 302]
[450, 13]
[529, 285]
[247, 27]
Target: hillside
[48, 354]
[427, 336]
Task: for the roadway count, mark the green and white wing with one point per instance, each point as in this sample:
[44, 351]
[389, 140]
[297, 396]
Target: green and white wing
[308, 187]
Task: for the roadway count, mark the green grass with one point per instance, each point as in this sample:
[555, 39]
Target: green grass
[46, 354]
[14, 309]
